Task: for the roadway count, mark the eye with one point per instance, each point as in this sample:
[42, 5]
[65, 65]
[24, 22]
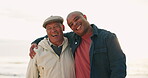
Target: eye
[57, 25]
[76, 18]
[49, 28]
[70, 24]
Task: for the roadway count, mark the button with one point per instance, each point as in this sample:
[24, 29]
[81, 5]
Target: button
[75, 42]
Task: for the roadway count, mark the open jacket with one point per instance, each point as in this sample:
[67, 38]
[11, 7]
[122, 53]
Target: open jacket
[47, 64]
[107, 59]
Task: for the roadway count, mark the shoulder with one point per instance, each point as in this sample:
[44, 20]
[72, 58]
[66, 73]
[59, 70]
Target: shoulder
[43, 44]
[103, 33]
[69, 34]
[39, 50]
[106, 32]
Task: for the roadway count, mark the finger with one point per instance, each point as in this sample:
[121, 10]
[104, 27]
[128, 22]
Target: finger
[31, 57]
[36, 47]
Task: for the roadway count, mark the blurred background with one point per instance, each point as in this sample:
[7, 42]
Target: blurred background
[21, 23]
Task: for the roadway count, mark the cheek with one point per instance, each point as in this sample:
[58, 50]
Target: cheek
[48, 33]
[72, 27]
[61, 32]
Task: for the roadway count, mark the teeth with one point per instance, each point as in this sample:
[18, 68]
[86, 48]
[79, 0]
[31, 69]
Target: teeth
[78, 27]
[53, 35]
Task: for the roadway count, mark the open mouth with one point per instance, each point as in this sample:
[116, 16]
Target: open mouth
[54, 35]
[79, 27]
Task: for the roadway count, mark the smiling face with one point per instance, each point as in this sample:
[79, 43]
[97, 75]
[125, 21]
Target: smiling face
[55, 33]
[78, 23]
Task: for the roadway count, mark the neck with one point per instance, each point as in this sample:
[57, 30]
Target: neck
[89, 30]
[58, 43]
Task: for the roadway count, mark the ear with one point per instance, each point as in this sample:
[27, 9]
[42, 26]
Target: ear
[63, 27]
[85, 17]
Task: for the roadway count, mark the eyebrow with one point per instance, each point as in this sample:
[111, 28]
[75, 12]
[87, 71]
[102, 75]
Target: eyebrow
[76, 18]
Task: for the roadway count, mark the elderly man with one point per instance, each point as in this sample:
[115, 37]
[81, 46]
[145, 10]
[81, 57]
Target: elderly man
[53, 57]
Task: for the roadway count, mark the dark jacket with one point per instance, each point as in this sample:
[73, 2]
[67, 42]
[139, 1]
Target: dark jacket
[106, 57]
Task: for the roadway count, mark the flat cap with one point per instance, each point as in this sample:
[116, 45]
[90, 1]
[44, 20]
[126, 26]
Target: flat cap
[53, 19]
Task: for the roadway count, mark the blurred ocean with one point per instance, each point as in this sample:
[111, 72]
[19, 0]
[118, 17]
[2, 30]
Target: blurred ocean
[14, 58]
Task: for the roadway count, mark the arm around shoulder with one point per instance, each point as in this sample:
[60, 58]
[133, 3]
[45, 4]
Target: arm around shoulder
[39, 39]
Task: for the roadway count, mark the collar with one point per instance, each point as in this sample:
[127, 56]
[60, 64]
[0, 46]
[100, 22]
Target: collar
[95, 30]
[53, 44]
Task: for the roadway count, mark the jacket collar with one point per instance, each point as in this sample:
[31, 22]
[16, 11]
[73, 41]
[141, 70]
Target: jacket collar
[46, 45]
[95, 30]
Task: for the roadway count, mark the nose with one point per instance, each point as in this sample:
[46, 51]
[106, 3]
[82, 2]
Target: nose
[73, 27]
[53, 30]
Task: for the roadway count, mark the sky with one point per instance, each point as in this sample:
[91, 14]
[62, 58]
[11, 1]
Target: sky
[23, 19]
